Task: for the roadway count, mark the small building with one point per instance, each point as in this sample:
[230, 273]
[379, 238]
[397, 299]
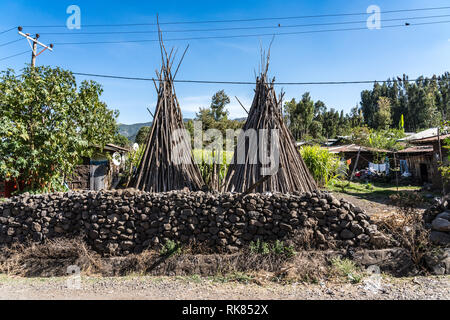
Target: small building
[349, 153]
[101, 171]
[439, 153]
[419, 162]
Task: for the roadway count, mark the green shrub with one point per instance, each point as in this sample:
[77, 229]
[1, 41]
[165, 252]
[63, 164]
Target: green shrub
[259, 247]
[323, 165]
[346, 268]
[170, 248]
[277, 248]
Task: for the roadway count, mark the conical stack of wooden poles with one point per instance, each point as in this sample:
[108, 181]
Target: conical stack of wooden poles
[290, 172]
[167, 163]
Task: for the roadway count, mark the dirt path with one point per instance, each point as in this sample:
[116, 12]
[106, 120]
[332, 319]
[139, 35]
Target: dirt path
[165, 288]
[374, 206]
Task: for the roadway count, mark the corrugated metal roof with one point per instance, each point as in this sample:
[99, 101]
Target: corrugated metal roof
[430, 139]
[354, 148]
[417, 149]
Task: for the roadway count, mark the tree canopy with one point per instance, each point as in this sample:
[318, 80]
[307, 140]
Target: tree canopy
[47, 123]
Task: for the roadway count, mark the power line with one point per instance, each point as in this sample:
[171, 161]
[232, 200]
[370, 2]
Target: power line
[15, 55]
[237, 28]
[240, 20]
[10, 42]
[247, 35]
[236, 82]
[8, 30]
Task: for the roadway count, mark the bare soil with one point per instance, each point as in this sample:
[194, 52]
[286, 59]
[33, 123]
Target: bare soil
[196, 288]
[376, 206]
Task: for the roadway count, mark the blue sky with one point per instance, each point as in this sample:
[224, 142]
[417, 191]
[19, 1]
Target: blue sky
[332, 56]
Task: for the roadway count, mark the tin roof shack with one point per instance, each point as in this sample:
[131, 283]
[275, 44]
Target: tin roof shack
[349, 153]
[419, 160]
[101, 171]
[437, 142]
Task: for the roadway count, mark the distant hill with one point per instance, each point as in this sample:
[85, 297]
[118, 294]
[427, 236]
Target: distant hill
[130, 130]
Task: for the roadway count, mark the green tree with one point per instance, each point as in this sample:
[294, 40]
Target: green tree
[142, 135]
[218, 104]
[47, 124]
[121, 140]
[383, 119]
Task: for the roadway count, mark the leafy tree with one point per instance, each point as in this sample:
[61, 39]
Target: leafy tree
[142, 135]
[205, 115]
[218, 103]
[121, 140]
[319, 108]
[383, 117]
[47, 124]
[300, 115]
[423, 103]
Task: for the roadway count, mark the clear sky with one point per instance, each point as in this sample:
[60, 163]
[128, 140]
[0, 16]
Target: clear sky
[328, 56]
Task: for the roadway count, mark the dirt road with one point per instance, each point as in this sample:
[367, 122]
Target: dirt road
[162, 288]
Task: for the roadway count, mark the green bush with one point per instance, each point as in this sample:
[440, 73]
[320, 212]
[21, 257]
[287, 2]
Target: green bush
[323, 165]
[170, 248]
[347, 269]
[277, 248]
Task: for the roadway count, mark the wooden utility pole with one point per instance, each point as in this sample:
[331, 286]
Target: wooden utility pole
[396, 169]
[441, 161]
[356, 164]
[33, 52]
[33, 42]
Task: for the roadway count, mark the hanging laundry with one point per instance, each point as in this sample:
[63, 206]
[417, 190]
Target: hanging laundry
[404, 170]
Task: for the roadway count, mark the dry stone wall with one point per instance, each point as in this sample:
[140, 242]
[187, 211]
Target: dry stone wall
[128, 221]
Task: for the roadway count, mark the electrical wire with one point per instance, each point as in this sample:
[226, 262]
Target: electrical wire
[15, 55]
[236, 28]
[240, 20]
[236, 82]
[5, 31]
[246, 35]
[11, 42]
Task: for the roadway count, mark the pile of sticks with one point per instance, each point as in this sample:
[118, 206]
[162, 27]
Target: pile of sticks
[167, 163]
[291, 173]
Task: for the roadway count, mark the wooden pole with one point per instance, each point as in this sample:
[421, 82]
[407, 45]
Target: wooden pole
[356, 164]
[33, 52]
[396, 172]
[440, 159]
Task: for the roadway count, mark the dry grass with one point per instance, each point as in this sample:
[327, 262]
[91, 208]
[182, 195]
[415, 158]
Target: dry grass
[407, 226]
[49, 258]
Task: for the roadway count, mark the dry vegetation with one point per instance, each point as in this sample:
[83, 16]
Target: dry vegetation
[407, 227]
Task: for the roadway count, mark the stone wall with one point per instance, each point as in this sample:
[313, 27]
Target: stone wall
[127, 221]
[437, 218]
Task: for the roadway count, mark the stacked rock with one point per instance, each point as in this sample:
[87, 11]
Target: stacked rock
[128, 221]
[437, 218]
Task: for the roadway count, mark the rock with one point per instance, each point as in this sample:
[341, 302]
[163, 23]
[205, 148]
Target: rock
[444, 215]
[379, 240]
[347, 234]
[320, 237]
[440, 238]
[285, 226]
[440, 224]
[335, 202]
[93, 234]
[36, 227]
[396, 261]
[357, 229]
[213, 230]
[232, 249]
[438, 262]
